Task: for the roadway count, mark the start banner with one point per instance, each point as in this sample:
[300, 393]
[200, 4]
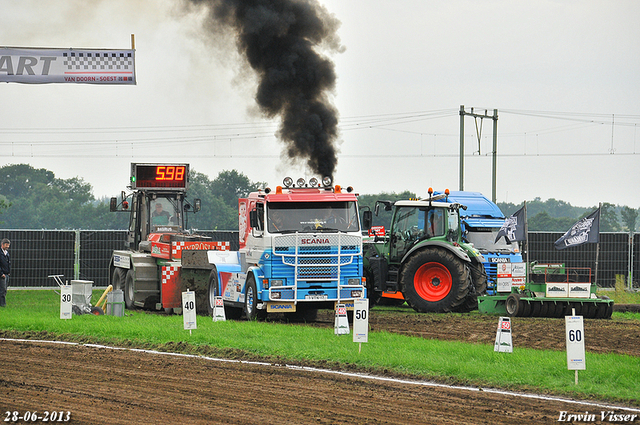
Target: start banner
[86, 66]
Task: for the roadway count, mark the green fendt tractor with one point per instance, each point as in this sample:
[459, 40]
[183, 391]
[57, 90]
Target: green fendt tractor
[423, 259]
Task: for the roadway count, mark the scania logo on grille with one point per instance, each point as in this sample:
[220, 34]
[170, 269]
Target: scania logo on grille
[314, 241]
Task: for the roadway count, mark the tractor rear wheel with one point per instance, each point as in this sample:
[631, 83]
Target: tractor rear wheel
[374, 296]
[434, 280]
[479, 279]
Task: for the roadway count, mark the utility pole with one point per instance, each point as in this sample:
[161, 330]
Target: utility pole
[494, 117]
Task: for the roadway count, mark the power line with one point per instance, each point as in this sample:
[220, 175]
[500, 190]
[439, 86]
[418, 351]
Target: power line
[266, 130]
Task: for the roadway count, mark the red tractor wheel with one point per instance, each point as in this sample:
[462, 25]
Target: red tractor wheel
[432, 281]
[435, 280]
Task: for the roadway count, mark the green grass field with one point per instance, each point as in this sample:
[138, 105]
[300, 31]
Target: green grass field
[608, 376]
[622, 296]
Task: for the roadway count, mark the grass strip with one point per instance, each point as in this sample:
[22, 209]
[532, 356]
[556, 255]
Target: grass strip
[609, 377]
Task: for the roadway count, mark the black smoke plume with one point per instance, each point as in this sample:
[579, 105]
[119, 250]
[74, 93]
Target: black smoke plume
[280, 40]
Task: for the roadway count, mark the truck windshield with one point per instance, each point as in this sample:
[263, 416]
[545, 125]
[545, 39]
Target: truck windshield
[483, 239]
[312, 217]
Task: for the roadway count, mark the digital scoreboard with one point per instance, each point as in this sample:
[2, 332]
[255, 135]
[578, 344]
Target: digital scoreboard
[159, 176]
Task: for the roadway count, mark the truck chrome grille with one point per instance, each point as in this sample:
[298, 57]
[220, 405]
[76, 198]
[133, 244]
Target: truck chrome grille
[318, 257]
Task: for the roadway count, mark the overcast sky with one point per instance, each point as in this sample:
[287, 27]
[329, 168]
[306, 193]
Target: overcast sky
[564, 77]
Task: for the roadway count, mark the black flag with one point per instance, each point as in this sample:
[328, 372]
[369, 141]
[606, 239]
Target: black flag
[513, 228]
[586, 230]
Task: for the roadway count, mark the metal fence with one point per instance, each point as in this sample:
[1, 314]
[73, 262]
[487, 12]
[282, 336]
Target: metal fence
[617, 256]
[85, 254]
[76, 254]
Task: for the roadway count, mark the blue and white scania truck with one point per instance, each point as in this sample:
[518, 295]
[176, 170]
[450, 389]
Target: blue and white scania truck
[300, 250]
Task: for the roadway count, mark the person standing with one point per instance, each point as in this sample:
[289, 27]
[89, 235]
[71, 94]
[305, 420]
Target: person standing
[5, 270]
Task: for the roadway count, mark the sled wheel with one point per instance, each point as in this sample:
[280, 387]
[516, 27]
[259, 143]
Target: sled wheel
[536, 306]
[544, 308]
[589, 310]
[118, 278]
[212, 291]
[97, 311]
[513, 305]
[525, 307]
[129, 287]
[434, 280]
[561, 308]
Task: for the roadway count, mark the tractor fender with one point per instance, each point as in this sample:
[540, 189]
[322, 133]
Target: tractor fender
[459, 252]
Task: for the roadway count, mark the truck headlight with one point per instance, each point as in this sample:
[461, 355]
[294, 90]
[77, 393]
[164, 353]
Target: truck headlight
[276, 295]
[354, 281]
[356, 294]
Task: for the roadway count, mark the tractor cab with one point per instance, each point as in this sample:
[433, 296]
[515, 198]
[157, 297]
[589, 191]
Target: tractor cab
[157, 204]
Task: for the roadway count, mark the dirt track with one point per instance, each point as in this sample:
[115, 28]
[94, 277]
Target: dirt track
[100, 385]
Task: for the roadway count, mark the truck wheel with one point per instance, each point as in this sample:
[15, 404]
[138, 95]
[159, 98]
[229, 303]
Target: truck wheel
[251, 300]
[434, 281]
[129, 294]
[212, 291]
[118, 278]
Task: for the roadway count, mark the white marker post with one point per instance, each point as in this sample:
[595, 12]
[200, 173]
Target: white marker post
[503, 336]
[361, 322]
[575, 343]
[341, 325]
[66, 306]
[218, 310]
[189, 310]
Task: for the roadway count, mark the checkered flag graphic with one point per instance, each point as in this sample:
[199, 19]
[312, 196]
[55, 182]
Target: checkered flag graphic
[99, 61]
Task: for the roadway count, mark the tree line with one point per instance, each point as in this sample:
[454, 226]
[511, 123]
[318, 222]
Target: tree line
[33, 198]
